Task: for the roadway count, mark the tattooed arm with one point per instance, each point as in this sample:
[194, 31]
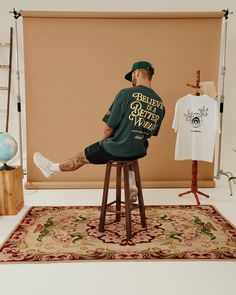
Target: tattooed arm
[107, 132]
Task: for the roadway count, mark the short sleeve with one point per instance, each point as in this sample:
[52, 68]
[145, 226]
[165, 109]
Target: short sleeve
[115, 112]
[107, 115]
[175, 124]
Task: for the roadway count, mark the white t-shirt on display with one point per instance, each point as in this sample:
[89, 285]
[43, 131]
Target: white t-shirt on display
[196, 121]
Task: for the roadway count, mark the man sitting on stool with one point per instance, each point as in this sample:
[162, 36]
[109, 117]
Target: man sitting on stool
[135, 115]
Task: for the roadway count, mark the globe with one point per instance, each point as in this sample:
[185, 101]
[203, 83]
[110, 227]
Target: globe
[8, 147]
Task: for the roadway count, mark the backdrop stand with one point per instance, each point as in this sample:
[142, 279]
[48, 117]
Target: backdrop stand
[16, 15]
[220, 171]
[67, 85]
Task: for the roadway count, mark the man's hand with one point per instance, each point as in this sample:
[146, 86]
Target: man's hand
[107, 132]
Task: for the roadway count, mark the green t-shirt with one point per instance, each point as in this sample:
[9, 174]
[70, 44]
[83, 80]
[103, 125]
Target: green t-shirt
[135, 115]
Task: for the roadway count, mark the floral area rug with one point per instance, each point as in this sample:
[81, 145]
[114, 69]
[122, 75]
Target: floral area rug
[71, 234]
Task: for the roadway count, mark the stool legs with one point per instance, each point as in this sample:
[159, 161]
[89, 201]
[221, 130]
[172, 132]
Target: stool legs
[126, 165]
[104, 197]
[127, 201]
[140, 195]
[118, 192]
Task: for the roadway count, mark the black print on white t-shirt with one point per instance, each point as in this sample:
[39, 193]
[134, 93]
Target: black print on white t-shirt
[196, 118]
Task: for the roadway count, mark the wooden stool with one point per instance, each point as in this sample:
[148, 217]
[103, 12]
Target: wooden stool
[128, 206]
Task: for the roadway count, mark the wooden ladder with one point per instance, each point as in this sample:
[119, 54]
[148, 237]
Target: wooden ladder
[7, 88]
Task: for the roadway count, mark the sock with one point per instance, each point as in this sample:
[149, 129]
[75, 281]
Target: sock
[132, 178]
[54, 167]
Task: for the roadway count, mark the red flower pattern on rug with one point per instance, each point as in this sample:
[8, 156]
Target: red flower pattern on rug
[115, 232]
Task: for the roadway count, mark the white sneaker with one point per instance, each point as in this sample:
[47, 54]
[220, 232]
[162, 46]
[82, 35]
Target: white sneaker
[43, 164]
[133, 193]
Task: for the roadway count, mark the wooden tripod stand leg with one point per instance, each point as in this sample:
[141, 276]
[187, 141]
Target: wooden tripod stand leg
[185, 193]
[189, 192]
[197, 199]
[194, 185]
[205, 195]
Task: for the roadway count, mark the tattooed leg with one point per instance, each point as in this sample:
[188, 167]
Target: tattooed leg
[74, 163]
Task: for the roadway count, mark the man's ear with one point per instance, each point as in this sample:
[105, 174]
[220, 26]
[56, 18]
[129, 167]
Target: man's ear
[137, 73]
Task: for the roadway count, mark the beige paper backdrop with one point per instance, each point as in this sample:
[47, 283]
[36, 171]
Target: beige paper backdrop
[74, 66]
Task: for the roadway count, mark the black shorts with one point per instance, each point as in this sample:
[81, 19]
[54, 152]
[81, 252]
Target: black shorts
[97, 155]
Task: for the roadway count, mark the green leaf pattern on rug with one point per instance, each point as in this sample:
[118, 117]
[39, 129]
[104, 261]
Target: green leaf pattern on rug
[46, 229]
[76, 237]
[80, 219]
[176, 236]
[203, 227]
[165, 218]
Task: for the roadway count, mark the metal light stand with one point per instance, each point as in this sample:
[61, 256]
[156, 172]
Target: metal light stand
[220, 171]
[16, 15]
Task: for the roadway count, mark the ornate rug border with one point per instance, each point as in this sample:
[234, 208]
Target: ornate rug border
[16, 226]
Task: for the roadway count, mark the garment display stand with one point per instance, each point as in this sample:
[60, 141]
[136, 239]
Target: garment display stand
[194, 184]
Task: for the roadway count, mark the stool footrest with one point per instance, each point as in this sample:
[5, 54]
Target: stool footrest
[109, 204]
[113, 210]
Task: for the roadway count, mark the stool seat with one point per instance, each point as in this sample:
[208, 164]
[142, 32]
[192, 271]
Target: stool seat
[128, 205]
